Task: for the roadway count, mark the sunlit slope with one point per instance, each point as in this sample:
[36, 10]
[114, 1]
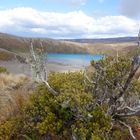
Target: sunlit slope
[21, 45]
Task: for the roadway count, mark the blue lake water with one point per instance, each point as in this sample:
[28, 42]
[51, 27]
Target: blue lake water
[73, 59]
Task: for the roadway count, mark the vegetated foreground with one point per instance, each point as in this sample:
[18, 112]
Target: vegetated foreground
[81, 111]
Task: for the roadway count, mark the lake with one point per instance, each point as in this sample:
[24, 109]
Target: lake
[73, 59]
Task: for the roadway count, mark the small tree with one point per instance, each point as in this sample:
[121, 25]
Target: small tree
[39, 66]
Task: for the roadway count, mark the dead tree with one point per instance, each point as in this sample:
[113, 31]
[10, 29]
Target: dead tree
[114, 93]
[39, 66]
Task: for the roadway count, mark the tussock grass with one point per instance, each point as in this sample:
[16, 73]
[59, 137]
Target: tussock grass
[13, 95]
[137, 75]
[13, 103]
[10, 80]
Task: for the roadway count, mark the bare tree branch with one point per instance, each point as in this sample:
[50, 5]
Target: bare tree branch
[112, 86]
[130, 130]
[136, 113]
[39, 67]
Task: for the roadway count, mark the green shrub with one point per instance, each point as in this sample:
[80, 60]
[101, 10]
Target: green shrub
[72, 113]
[66, 114]
[3, 70]
[7, 129]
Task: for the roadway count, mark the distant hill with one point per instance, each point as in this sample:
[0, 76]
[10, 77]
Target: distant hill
[105, 40]
[21, 44]
[6, 55]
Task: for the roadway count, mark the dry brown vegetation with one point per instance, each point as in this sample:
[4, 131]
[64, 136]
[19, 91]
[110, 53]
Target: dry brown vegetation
[112, 48]
[137, 75]
[5, 56]
[14, 94]
[7, 80]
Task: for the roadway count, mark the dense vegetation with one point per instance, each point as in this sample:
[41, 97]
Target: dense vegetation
[76, 113]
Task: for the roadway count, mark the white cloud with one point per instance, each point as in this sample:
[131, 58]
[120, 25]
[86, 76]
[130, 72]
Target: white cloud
[30, 22]
[71, 2]
[99, 13]
[130, 8]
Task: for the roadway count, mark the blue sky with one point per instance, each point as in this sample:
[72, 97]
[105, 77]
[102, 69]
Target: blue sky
[110, 7]
[70, 18]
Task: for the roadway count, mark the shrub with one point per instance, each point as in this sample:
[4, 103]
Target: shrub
[70, 114]
[66, 115]
[7, 129]
[78, 112]
[3, 70]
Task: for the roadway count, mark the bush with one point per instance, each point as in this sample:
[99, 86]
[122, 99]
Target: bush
[6, 129]
[3, 70]
[77, 111]
[70, 114]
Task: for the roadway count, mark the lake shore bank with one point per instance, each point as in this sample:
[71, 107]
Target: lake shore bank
[16, 67]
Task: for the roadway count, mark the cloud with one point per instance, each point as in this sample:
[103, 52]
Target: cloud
[30, 22]
[130, 8]
[99, 13]
[71, 2]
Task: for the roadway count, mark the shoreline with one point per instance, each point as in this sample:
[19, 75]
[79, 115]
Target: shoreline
[16, 67]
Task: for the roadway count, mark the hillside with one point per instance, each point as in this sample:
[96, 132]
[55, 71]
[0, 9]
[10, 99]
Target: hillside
[105, 40]
[21, 45]
[112, 48]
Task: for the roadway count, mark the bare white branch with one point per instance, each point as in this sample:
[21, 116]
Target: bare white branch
[39, 67]
[130, 130]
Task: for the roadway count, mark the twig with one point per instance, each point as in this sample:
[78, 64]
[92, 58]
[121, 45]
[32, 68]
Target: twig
[130, 130]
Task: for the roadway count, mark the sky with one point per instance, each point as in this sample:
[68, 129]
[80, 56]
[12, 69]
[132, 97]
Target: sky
[68, 19]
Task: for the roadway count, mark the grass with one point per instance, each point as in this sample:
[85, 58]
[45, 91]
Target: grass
[10, 80]
[13, 94]
[137, 75]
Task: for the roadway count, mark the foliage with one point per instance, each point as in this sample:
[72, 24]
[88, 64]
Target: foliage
[116, 87]
[70, 114]
[85, 108]
[6, 129]
[67, 114]
[112, 75]
[3, 70]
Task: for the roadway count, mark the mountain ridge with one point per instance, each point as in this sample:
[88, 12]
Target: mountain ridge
[104, 40]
